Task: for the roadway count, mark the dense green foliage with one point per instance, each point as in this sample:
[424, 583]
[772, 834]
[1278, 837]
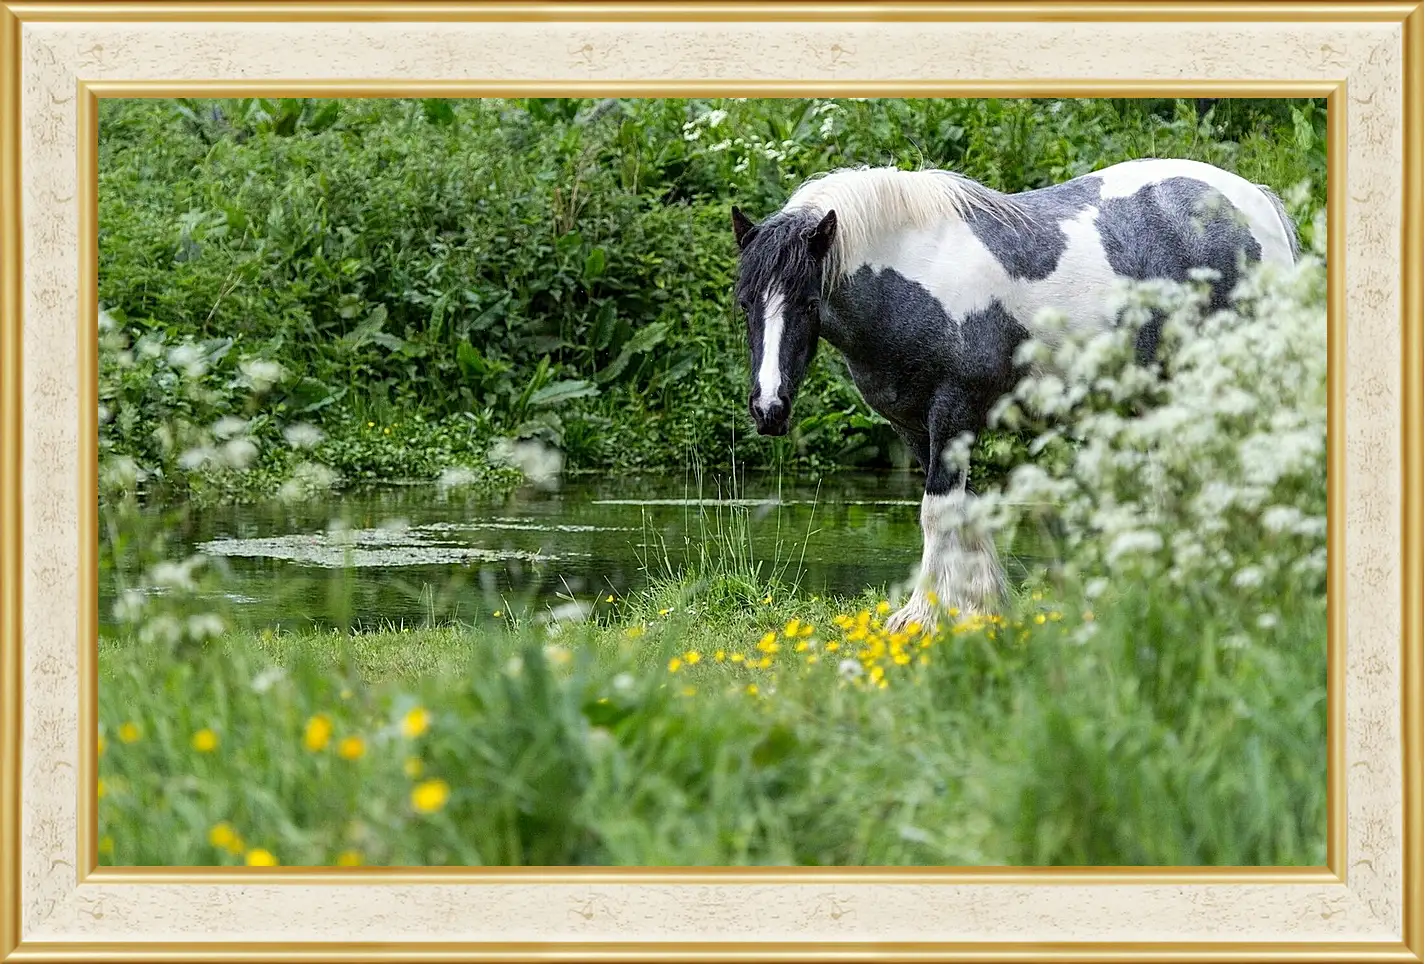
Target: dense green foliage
[458, 271]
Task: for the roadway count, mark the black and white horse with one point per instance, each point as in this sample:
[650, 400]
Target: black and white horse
[927, 281]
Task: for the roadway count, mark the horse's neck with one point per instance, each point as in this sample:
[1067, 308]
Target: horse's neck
[855, 315]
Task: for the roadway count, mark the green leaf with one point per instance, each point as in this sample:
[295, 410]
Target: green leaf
[557, 393]
[438, 111]
[309, 394]
[603, 330]
[642, 340]
[594, 264]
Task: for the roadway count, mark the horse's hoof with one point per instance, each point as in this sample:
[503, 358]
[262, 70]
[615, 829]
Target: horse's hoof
[917, 610]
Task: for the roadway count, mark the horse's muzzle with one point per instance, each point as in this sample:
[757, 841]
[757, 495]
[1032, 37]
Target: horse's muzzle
[771, 418]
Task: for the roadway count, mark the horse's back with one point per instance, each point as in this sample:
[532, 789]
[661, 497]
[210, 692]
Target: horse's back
[1183, 199]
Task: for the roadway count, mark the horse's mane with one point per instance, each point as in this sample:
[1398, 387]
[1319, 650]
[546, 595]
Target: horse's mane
[871, 200]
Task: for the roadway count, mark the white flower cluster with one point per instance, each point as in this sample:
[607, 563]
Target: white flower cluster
[1208, 474]
[749, 145]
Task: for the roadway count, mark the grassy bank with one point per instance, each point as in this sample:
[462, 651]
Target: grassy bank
[417, 279]
[702, 727]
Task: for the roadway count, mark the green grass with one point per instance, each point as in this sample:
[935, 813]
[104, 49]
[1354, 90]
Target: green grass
[1156, 740]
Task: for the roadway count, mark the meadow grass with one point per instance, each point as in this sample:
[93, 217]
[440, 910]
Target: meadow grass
[700, 727]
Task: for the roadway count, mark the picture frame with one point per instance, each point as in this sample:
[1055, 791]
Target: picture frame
[59, 59]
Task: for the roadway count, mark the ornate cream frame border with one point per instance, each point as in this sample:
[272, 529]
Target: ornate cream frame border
[59, 58]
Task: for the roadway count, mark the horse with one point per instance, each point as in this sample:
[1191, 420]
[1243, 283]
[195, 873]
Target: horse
[927, 281]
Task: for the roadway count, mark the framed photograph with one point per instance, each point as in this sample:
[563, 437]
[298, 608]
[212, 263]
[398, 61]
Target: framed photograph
[711, 481]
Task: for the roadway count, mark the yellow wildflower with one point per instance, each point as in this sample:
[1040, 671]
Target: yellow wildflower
[633, 632]
[370, 424]
[720, 655]
[1055, 616]
[688, 690]
[413, 767]
[318, 733]
[415, 722]
[802, 646]
[388, 430]
[205, 741]
[101, 743]
[793, 627]
[767, 600]
[609, 598]
[692, 657]
[430, 796]
[764, 662]
[674, 664]
[129, 732]
[106, 845]
[664, 612]
[101, 789]
[1039, 619]
[752, 689]
[349, 858]
[222, 835]
[934, 600]
[737, 657]
[882, 608]
[261, 858]
[808, 629]
[499, 613]
[832, 647]
[351, 748]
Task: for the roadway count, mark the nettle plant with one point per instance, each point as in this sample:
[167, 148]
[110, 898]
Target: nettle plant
[1207, 477]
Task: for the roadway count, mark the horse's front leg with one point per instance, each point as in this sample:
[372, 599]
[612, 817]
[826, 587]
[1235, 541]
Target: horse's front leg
[960, 569]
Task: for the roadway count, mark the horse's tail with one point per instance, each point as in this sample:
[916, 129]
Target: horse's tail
[1288, 223]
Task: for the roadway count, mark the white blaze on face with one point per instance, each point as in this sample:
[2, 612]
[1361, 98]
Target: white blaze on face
[769, 375]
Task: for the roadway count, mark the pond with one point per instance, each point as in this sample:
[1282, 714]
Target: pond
[406, 555]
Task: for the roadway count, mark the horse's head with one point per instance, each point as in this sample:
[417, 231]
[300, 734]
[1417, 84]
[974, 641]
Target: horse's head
[779, 286]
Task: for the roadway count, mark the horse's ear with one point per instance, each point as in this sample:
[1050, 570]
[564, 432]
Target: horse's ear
[742, 227]
[820, 237]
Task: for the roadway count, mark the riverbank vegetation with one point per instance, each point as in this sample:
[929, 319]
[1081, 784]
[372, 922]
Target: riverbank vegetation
[410, 282]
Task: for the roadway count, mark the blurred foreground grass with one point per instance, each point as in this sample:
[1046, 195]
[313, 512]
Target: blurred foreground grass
[703, 728]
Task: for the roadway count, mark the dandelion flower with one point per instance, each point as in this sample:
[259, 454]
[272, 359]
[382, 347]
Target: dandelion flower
[100, 789]
[349, 858]
[416, 722]
[752, 689]
[318, 733]
[792, 628]
[430, 796]
[609, 598]
[882, 608]
[720, 655]
[674, 664]
[351, 748]
[129, 733]
[499, 613]
[664, 612]
[222, 835]
[692, 657]
[737, 657]
[205, 741]
[261, 858]
[1039, 619]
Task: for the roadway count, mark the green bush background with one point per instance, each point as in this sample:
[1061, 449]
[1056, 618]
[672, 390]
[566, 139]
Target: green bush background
[557, 269]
